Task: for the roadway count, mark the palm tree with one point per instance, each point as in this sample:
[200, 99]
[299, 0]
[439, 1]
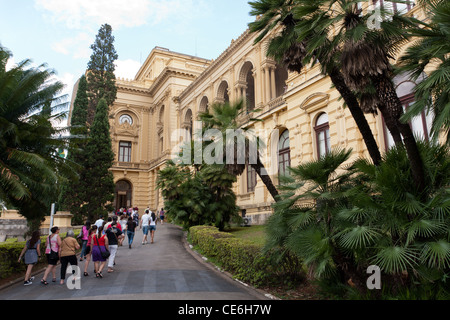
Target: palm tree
[288, 50]
[432, 49]
[339, 222]
[30, 167]
[339, 30]
[224, 117]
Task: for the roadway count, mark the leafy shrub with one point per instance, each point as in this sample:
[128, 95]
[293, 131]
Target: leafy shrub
[340, 220]
[10, 252]
[242, 258]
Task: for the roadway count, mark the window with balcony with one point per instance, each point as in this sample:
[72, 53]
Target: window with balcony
[124, 151]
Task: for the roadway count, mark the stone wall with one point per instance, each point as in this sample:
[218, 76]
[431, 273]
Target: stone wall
[13, 225]
[13, 228]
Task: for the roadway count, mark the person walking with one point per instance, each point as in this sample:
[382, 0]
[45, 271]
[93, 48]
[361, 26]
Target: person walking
[92, 230]
[31, 253]
[135, 216]
[145, 221]
[114, 235]
[162, 215]
[108, 223]
[68, 253]
[99, 244]
[131, 227]
[99, 222]
[123, 226]
[84, 236]
[152, 227]
[52, 248]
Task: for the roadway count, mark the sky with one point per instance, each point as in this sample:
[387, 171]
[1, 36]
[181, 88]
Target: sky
[59, 33]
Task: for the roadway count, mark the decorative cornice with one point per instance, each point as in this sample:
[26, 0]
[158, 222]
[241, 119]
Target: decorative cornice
[315, 102]
[170, 72]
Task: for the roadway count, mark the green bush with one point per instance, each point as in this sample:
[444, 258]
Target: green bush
[10, 252]
[242, 258]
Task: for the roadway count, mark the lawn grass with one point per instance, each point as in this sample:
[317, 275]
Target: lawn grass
[255, 234]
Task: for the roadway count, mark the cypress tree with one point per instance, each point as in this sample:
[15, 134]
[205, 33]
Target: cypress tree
[99, 179]
[72, 192]
[100, 76]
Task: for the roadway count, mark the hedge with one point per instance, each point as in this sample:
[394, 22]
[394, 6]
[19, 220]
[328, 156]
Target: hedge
[10, 252]
[241, 258]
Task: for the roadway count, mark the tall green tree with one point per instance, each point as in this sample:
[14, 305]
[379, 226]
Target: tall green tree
[100, 71]
[364, 55]
[287, 49]
[198, 197]
[31, 170]
[98, 179]
[224, 117]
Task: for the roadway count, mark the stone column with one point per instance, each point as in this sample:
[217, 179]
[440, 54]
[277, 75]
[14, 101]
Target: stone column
[267, 84]
[272, 83]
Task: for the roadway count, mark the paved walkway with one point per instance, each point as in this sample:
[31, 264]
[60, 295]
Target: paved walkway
[165, 270]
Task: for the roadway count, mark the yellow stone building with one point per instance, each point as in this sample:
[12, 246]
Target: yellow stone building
[171, 88]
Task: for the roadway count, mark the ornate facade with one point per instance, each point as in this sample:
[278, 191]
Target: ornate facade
[171, 89]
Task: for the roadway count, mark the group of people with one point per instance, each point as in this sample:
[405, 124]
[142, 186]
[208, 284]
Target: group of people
[99, 244]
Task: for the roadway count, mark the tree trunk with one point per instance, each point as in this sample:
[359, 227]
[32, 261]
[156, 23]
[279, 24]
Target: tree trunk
[391, 124]
[262, 173]
[358, 115]
[387, 94]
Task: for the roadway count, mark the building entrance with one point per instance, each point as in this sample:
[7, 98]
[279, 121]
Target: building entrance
[123, 195]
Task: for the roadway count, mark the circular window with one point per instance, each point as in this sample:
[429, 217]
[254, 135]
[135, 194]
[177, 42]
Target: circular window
[126, 118]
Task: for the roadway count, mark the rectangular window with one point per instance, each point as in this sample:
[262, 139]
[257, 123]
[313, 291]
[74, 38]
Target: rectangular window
[323, 140]
[284, 162]
[124, 151]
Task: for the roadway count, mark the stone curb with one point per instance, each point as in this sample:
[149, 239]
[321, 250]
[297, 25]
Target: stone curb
[224, 274]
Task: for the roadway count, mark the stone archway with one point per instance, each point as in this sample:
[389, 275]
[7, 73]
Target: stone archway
[123, 195]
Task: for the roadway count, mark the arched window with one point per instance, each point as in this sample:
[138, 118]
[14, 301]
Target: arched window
[322, 130]
[222, 93]
[421, 124]
[281, 75]
[204, 104]
[247, 88]
[250, 92]
[284, 154]
[188, 122]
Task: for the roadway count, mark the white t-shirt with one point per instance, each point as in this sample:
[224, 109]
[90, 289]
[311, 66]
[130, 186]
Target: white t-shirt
[145, 220]
[153, 222]
[99, 223]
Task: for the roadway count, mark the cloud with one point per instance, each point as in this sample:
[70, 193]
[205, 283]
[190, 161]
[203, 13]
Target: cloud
[86, 14]
[78, 46]
[127, 69]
